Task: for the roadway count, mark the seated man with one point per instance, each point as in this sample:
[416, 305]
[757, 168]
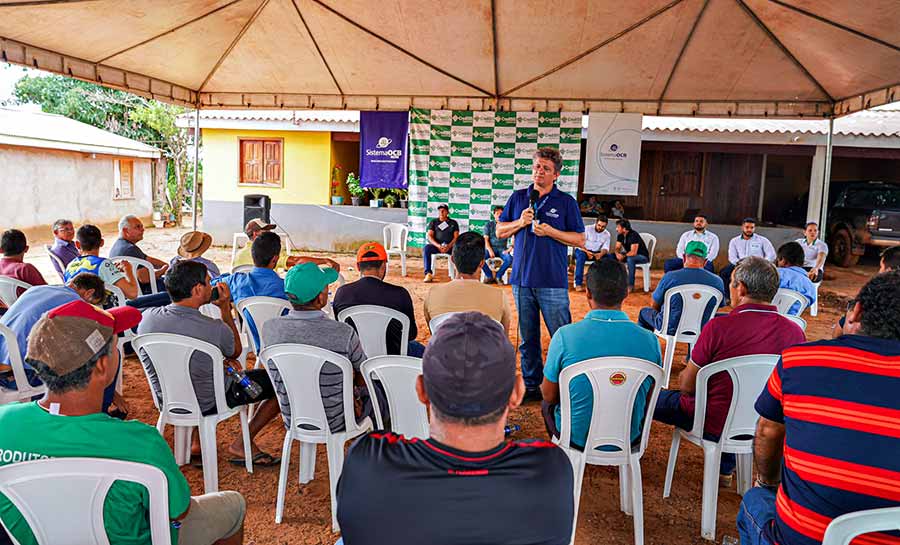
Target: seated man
[73, 350]
[694, 272]
[466, 292]
[14, 246]
[465, 483]
[790, 269]
[890, 261]
[747, 244]
[814, 252]
[699, 234]
[439, 237]
[604, 331]
[495, 247]
[371, 289]
[596, 246]
[89, 241]
[753, 327]
[191, 247]
[188, 285]
[256, 227]
[826, 441]
[306, 286]
[131, 231]
[590, 206]
[630, 249]
[63, 244]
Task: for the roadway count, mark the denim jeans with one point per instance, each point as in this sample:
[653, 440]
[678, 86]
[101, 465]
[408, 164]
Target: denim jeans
[632, 262]
[415, 349]
[668, 411]
[647, 318]
[428, 251]
[757, 512]
[142, 302]
[677, 263]
[531, 303]
[507, 263]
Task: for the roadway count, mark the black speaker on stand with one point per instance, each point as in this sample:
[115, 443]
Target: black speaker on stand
[256, 206]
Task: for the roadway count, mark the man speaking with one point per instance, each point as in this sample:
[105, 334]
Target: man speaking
[544, 221]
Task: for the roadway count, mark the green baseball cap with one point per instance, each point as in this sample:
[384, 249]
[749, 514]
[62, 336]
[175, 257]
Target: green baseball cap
[306, 281]
[697, 248]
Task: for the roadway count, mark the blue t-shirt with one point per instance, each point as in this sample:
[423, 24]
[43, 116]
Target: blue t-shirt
[541, 262]
[680, 278]
[602, 333]
[259, 281]
[795, 278]
[26, 312]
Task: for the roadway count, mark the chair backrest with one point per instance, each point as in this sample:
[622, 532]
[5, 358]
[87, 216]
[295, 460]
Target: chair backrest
[695, 298]
[137, 264]
[650, 242]
[749, 375]
[797, 320]
[615, 382]
[237, 237]
[785, 299]
[371, 323]
[116, 293]
[212, 311]
[242, 269]
[261, 309]
[9, 289]
[436, 322]
[23, 390]
[75, 517]
[395, 235]
[57, 262]
[298, 367]
[844, 528]
[397, 375]
[170, 355]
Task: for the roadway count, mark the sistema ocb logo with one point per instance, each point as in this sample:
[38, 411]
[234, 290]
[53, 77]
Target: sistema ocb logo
[614, 147]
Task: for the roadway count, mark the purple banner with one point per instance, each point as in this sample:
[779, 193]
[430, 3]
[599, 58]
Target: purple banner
[382, 149]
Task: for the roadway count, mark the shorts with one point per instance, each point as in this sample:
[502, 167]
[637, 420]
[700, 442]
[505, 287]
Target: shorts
[212, 517]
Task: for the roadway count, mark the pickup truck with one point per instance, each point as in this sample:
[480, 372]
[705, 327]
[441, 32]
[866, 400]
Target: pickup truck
[862, 214]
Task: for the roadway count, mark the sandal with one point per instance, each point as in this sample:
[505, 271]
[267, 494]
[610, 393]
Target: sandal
[262, 459]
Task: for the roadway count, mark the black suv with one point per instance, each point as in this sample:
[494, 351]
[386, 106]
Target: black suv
[862, 214]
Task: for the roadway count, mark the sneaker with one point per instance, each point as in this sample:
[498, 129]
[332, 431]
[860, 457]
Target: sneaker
[579, 288]
[726, 480]
[428, 278]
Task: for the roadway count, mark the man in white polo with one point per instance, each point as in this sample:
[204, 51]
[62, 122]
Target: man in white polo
[700, 233]
[596, 247]
[747, 244]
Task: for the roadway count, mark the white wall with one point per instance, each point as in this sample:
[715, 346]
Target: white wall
[39, 186]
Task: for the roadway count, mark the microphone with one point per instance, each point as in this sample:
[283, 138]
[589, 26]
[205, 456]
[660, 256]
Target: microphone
[533, 197]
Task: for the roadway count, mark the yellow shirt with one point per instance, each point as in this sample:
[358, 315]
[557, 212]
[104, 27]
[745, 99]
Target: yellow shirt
[468, 295]
[243, 257]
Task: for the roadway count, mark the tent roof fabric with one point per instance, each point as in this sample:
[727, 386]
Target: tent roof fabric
[742, 58]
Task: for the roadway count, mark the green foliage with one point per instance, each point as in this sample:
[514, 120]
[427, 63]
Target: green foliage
[353, 186]
[390, 200]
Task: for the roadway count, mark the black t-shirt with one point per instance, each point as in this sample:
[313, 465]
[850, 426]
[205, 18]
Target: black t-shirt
[369, 290]
[445, 235]
[395, 490]
[633, 237]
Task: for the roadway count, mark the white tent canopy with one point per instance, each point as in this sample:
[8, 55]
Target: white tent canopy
[747, 58]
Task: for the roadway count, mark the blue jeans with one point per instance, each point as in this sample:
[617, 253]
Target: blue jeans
[428, 251]
[668, 411]
[677, 263]
[507, 263]
[415, 349]
[632, 262]
[647, 318]
[531, 303]
[756, 513]
[141, 302]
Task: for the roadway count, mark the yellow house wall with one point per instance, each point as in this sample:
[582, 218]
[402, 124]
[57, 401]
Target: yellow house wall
[306, 167]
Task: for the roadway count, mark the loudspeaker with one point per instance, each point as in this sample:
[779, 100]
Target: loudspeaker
[256, 206]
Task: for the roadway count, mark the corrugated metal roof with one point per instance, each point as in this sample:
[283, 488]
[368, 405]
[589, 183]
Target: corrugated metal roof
[51, 131]
[299, 116]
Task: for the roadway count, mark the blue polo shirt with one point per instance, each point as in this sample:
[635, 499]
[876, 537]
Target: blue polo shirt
[260, 281]
[680, 278]
[795, 278]
[602, 333]
[26, 312]
[541, 262]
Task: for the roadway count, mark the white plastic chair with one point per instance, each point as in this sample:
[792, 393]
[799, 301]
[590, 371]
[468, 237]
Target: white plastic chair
[9, 289]
[397, 375]
[749, 375]
[797, 320]
[395, 236]
[136, 265]
[785, 299]
[242, 269]
[60, 266]
[170, 355]
[371, 324]
[238, 237]
[451, 270]
[844, 528]
[814, 308]
[24, 390]
[615, 383]
[650, 242]
[436, 322]
[298, 368]
[261, 309]
[61, 499]
[694, 300]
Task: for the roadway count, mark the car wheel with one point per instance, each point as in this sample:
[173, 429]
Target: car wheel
[842, 249]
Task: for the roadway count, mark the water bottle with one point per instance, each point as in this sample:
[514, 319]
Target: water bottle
[252, 389]
[512, 428]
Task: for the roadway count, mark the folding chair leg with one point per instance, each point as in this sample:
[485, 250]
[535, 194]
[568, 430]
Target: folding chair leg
[577, 460]
[646, 278]
[668, 359]
[673, 457]
[744, 473]
[307, 462]
[245, 437]
[403, 264]
[209, 455]
[335, 448]
[282, 476]
[712, 457]
[625, 489]
[637, 500]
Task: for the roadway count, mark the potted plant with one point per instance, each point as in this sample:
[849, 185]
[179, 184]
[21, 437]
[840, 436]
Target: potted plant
[390, 200]
[336, 200]
[377, 200]
[403, 197]
[356, 192]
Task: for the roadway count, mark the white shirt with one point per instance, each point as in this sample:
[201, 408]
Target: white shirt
[811, 251]
[756, 245]
[594, 241]
[707, 237]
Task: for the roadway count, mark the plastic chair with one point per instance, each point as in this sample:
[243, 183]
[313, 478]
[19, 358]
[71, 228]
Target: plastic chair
[59, 265]
[814, 308]
[451, 270]
[242, 269]
[395, 235]
[238, 237]
[73, 514]
[170, 355]
[137, 264]
[436, 322]
[261, 309]
[785, 299]
[844, 528]
[298, 367]
[23, 391]
[694, 300]
[9, 289]
[371, 324]
[397, 375]
[797, 320]
[616, 383]
[748, 377]
[650, 242]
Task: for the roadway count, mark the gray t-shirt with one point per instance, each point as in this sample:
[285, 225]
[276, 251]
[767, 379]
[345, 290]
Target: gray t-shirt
[189, 322]
[315, 328]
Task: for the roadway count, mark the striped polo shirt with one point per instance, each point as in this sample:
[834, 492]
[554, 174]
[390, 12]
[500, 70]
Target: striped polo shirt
[839, 402]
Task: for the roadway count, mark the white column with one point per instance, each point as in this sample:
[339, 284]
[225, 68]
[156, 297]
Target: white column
[827, 177]
[762, 189]
[196, 171]
[816, 186]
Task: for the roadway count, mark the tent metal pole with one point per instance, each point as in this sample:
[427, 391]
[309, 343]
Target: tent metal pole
[828, 149]
[196, 170]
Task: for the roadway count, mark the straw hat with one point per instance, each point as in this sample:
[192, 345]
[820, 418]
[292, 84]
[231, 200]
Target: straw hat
[193, 244]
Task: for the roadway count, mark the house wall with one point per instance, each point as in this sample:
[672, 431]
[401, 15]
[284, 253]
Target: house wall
[41, 186]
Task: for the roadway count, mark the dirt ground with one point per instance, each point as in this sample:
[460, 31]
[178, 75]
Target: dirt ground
[307, 517]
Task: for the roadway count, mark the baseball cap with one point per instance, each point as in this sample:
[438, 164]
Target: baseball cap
[697, 248]
[444, 206]
[66, 337]
[469, 366]
[375, 250]
[256, 224]
[307, 280]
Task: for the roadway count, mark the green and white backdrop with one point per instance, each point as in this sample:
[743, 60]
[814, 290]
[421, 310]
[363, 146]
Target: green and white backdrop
[474, 160]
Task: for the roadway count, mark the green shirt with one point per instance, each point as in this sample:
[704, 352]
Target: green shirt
[31, 433]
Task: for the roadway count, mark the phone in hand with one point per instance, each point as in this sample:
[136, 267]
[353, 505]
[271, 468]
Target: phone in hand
[215, 294]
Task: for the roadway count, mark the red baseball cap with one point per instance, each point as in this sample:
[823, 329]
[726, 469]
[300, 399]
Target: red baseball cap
[371, 251]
